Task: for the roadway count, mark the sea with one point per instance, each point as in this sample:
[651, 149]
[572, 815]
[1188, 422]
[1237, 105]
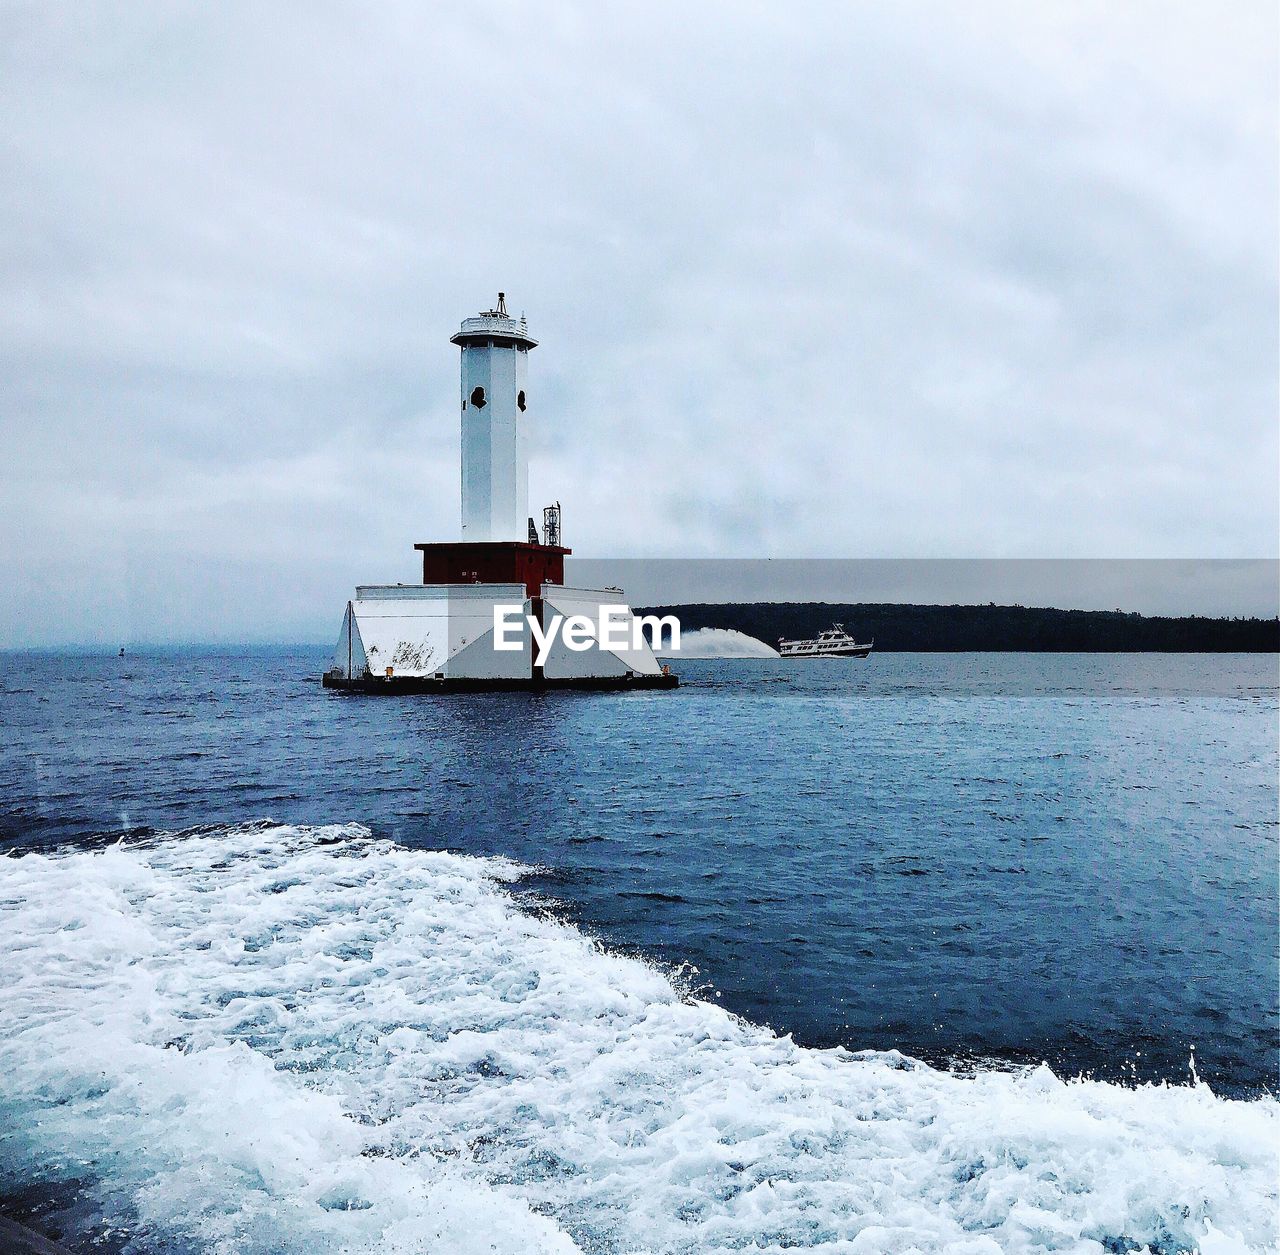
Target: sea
[929, 952]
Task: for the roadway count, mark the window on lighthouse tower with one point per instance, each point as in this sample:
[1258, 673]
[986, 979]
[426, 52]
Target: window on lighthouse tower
[520, 401]
[477, 398]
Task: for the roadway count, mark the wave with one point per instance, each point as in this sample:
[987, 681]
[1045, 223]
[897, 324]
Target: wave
[286, 1039]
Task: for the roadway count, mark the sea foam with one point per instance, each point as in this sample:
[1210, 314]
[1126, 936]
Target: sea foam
[719, 643]
[285, 1039]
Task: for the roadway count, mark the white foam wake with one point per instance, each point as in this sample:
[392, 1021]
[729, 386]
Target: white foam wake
[720, 643]
[281, 1039]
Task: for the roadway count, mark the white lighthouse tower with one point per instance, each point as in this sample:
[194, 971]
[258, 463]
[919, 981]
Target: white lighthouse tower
[443, 635]
[495, 443]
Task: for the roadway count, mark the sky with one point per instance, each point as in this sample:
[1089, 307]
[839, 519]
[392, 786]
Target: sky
[825, 281]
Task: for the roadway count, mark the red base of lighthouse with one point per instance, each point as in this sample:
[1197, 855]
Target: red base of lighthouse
[493, 562]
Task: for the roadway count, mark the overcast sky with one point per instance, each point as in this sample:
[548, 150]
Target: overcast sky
[860, 280]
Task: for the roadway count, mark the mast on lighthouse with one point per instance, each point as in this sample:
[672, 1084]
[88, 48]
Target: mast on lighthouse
[495, 448]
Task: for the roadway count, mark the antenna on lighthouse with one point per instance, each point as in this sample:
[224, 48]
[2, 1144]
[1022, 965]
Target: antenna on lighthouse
[502, 304]
[551, 524]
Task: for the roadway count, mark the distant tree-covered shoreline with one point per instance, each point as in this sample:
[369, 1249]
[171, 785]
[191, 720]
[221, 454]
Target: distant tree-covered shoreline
[963, 629]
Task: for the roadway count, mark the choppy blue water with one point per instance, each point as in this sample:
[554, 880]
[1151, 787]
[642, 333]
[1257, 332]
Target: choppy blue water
[982, 861]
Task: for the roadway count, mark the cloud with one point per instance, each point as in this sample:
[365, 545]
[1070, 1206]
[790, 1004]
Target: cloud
[904, 281]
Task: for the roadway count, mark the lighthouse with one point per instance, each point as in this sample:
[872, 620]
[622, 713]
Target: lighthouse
[491, 607]
[495, 424]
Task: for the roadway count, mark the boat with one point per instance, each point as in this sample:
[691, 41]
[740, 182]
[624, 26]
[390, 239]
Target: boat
[833, 642]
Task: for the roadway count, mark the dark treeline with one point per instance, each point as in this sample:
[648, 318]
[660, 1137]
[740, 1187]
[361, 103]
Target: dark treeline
[965, 628]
